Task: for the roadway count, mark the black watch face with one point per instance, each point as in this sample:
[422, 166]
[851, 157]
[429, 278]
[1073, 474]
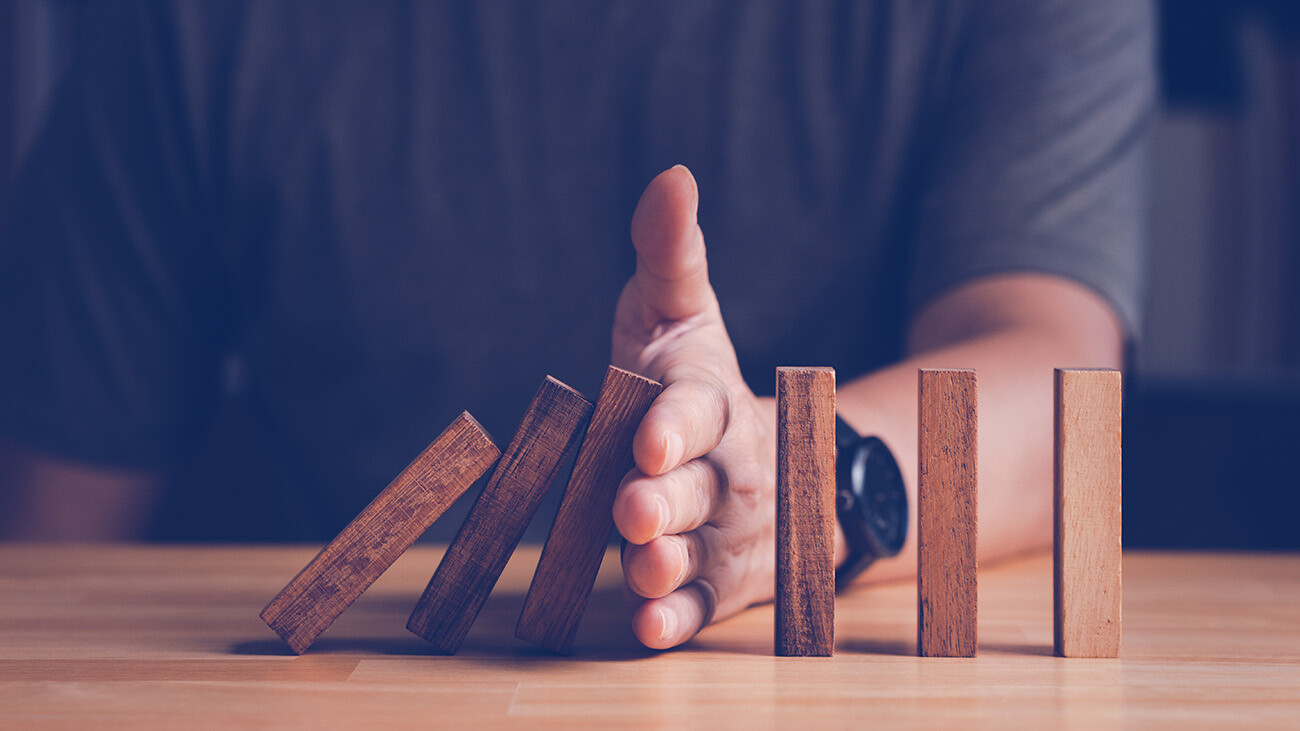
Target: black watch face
[883, 499]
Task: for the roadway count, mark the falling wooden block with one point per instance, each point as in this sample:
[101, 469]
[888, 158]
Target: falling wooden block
[571, 558]
[1087, 507]
[805, 512]
[351, 562]
[946, 514]
[474, 560]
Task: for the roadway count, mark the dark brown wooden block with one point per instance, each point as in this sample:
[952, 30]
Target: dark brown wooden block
[947, 514]
[805, 512]
[571, 558]
[379, 534]
[1087, 549]
[474, 560]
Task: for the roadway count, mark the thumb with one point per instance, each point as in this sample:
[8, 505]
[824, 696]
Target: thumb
[672, 272]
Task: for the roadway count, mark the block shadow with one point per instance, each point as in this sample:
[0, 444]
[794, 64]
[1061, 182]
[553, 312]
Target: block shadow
[899, 648]
[605, 634]
[1018, 648]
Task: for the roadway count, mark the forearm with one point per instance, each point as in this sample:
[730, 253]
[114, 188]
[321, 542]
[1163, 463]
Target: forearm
[1014, 368]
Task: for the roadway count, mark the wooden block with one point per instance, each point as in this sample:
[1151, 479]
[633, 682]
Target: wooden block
[1087, 507]
[474, 560]
[351, 562]
[567, 570]
[805, 512]
[947, 514]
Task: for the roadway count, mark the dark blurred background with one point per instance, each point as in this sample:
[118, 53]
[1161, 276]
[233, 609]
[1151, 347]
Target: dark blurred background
[1213, 404]
[1213, 408]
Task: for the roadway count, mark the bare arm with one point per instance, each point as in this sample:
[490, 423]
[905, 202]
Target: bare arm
[1014, 330]
[46, 498]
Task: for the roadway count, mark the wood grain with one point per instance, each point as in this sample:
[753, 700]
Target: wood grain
[145, 637]
[473, 563]
[351, 562]
[1087, 576]
[561, 586]
[947, 514]
[805, 512]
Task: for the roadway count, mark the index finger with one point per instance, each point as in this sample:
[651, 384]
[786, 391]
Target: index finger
[687, 421]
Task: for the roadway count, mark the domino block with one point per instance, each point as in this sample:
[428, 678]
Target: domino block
[1087, 552]
[805, 512]
[571, 558]
[474, 560]
[947, 514]
[351, 562]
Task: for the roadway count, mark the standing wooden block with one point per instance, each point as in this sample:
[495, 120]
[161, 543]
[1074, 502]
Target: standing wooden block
[474, 560]
[947, 514]
[379, 534]
[805, 512]
[1087, 506]
[571, 558]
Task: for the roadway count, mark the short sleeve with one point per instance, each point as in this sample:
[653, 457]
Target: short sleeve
[1037, 151]
[106, 284]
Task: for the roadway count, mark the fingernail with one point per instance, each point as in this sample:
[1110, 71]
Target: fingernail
[681, 570]
[673, 451]
[667, 623]
[695, 190]
[661, 515]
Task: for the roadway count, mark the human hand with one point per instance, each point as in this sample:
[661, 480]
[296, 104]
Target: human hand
[698, 509]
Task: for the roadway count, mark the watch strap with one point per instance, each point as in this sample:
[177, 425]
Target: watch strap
[861, 552]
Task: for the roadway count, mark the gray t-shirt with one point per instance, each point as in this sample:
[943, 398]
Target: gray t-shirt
[362, 218]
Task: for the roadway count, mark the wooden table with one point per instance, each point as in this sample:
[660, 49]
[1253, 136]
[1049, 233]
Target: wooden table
[168, 637]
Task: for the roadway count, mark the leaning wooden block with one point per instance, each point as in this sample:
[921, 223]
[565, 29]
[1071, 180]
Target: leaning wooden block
[379, 534]
[805, 512]
[1087, 506]
[946, 514]
[571, 558]
[474, 561]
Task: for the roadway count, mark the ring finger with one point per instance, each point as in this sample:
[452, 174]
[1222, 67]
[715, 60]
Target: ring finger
[661, 566]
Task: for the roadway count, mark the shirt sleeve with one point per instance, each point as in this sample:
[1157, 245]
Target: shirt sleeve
[106, 273]
[1037, 151]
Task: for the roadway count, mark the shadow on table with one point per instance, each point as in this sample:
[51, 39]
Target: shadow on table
[337, 645]
[907, 648]
[902, 648]
[605, 633]
[1017, 648]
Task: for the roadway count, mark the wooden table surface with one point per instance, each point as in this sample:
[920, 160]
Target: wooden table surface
[168, 637]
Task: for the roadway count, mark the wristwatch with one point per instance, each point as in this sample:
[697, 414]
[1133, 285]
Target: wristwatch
[870, 501]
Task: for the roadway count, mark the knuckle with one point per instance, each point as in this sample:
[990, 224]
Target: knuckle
[706, 403]
[717, 482]
[695, 492]
[718, 398]
[700, 553]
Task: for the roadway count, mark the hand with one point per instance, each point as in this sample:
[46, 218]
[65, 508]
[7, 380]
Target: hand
[698, 508]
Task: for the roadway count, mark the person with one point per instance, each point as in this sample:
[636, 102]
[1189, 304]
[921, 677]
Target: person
[377, 215]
